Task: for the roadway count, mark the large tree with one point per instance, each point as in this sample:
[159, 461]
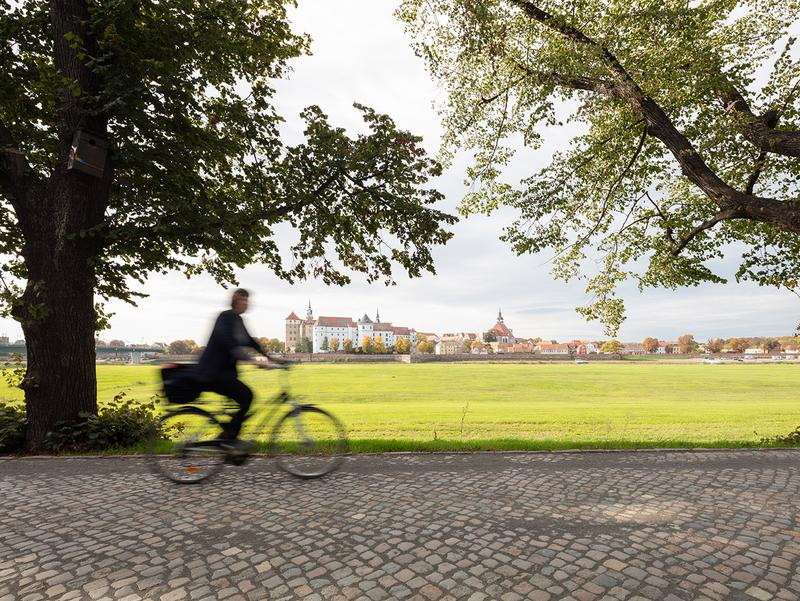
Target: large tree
[196, 176]
[650, 344]
[684, 122]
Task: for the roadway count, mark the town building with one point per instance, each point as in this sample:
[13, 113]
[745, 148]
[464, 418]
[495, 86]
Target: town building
[667, 348]
[501, 331]
[327, 333]
[632, 348]
[584, 347]
[554, 348]
[454, 343]
[449, 344]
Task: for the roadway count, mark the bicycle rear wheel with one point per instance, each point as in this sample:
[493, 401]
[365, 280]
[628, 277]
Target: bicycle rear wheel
[308, 442]
[186, 450]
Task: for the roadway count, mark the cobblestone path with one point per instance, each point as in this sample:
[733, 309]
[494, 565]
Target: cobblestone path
[661, 525]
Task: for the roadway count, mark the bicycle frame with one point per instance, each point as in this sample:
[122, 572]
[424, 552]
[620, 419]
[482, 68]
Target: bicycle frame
[266, 410]
[283, 397]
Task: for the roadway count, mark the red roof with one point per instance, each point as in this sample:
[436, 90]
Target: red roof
[399, 330]
[335, 322]
[292, 316]
[553, 346]
[379, 326]
[500, 329]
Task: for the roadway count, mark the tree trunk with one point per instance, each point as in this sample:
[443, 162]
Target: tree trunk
[60, 381]
[57, 309]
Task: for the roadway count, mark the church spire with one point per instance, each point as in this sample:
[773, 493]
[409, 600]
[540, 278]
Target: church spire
[377, 315]
[500, 316]
[309, 312]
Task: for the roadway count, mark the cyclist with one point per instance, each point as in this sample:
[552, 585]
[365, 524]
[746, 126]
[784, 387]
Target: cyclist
[216, 370]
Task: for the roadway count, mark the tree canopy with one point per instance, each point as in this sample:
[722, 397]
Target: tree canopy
[141, 137]
[197, 176]
[685, 119]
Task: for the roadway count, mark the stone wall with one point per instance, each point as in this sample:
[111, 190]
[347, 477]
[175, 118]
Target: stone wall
[505, 357]
[345, 358]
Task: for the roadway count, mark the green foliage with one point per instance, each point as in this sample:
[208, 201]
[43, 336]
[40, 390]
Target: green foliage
[182, 347]
[687, 344]
[426, 346]
[304, 345]
[771, 345]
[14, 370]
[622, 201]
[201, 177]
[12, 427]
[489, 337]
[403, 346]
[367, 345]
[271, 345]
[792, 439]
[611, 347]
[119, 424]
[325, 344]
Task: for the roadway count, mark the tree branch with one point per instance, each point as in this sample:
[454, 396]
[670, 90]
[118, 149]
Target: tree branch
[13, 169]
[724, 215]
[575, 82]
[760, 130]
[753, 179]
[785, 215]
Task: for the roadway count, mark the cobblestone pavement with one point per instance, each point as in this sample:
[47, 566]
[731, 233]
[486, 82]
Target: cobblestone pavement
[662, 525]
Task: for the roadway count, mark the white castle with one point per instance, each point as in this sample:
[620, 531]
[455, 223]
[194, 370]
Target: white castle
[323, 328]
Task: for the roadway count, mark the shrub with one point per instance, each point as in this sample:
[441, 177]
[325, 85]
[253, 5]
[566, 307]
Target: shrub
[12, 427]
[122, 423]
[792, 439]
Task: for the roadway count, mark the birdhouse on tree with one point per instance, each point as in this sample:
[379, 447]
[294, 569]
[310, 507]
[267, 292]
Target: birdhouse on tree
[88, 154]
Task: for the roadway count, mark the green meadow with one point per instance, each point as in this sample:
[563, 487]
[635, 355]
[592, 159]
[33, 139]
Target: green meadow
[526, 406]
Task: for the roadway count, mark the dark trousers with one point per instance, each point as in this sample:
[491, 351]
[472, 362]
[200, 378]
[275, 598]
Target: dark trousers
[237, 391]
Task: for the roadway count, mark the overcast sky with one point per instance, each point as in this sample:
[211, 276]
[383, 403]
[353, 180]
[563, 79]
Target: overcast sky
[362, 54]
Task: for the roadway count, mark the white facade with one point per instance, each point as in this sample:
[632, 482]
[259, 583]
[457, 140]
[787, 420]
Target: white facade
[342, 328]
[339, 333]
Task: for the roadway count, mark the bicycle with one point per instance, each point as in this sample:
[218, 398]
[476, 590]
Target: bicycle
[307, 442]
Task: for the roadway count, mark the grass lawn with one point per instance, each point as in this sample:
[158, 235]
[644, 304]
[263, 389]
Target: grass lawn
[528, 406]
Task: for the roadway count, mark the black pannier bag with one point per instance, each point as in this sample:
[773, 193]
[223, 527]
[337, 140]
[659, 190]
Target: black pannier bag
[180, 386]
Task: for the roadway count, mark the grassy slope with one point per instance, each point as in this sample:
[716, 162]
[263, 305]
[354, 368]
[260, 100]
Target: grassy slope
[406, 407]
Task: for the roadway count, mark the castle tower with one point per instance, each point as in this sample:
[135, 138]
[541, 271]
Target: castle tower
[293, 332]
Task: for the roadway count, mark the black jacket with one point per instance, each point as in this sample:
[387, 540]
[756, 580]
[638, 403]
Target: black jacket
[218, 361]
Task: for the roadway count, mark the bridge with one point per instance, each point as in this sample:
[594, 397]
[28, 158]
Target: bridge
[135, 352]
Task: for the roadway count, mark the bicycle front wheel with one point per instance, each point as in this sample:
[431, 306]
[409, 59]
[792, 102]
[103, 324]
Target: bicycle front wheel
[308, 442]
[186, 448]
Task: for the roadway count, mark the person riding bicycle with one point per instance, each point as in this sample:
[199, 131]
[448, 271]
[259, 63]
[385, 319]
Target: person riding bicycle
[227, 346]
